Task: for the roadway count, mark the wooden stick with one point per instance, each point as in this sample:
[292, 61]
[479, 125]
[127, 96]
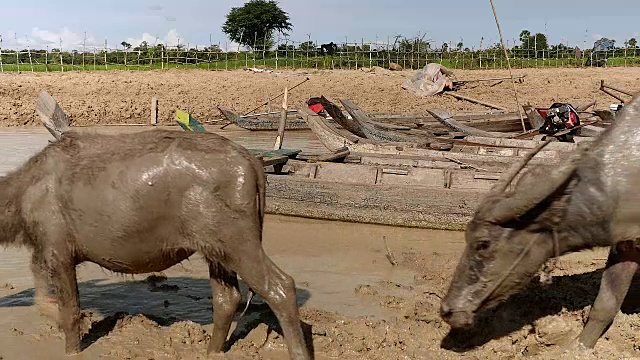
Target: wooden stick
[476, 101]
[154, 111]
[604, 90]
[465, 164]
[513, 82]
[456, 82]
[283, 121]
[277, 96]
[602, 85]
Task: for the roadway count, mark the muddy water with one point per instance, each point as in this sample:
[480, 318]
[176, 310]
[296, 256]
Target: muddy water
[328, 260]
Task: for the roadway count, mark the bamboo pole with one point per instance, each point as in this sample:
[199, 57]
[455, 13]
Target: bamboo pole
[506, 54]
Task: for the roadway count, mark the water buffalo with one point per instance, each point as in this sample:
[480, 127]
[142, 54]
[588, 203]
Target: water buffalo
[592, 200]
[142, 202]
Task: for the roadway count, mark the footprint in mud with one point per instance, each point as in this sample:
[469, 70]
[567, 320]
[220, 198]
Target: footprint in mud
[8, 286]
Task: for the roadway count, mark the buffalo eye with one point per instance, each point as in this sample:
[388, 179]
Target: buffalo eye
[482, 245]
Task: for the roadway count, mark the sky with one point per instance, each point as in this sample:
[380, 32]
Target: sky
[40, 23]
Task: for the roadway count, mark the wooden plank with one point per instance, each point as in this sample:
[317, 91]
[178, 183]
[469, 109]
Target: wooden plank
[395, 171]
[283, 121]
[278, 152]
[487, 176]
[340, 154]
[268, 161]
[422, 207]
[51, 115]
[445, 118]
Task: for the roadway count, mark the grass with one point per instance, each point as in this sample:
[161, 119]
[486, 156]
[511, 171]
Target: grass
[466, 62]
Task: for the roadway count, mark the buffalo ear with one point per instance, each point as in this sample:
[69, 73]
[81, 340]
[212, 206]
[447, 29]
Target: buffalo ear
[529, 192]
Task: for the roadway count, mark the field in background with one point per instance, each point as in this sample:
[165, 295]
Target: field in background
[305, 56]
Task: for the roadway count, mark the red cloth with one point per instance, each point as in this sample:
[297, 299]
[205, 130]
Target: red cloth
[316, 108]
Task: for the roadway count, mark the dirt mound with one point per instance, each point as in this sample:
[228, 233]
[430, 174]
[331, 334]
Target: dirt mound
[124, 97]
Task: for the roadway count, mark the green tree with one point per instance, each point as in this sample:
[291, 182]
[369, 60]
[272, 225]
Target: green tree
[633, 43]
[255, 22]
[144, 46]
[125, 45]
[535, 45]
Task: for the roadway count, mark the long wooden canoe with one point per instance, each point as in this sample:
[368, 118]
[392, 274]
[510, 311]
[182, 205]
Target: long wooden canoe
[498, 122]
[416, 190]
[496, 150]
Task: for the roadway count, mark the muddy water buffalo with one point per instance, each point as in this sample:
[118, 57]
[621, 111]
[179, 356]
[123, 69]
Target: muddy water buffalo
[593, 200]
[142, 202]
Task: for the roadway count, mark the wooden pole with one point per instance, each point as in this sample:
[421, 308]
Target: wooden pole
[513, 82]
[154, 111]
[476, 101]
[283, 121]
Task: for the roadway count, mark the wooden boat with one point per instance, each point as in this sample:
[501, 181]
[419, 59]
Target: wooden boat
[499, 122]
[472, 149]
[416, 188]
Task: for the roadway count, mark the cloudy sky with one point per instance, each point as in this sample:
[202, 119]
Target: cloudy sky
[40, 23]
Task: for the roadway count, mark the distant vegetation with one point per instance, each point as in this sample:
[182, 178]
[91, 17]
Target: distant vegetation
[255, 25]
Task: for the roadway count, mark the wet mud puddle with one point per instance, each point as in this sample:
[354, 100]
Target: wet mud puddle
[334, 265]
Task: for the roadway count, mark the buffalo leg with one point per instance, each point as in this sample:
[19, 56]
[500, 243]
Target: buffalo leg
[614, 286]
[65, 285]
[278, 290]
[226, 299]
[42, 290]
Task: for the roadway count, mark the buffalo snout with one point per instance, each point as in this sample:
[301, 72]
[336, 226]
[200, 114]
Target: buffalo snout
[456, 318]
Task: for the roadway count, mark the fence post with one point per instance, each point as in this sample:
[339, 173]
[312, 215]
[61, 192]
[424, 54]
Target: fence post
[84, 48]
[60, 54]
[277, 49]
[29, 52]
[209, 53]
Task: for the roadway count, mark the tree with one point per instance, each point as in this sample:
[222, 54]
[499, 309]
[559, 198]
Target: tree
[254, 23]
[125, 45]
[633, 43]
[144, 46]
[535, 45]
[445, 47]
[213, 48]
[459, 46]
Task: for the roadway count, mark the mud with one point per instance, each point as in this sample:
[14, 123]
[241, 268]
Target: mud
[118, 97]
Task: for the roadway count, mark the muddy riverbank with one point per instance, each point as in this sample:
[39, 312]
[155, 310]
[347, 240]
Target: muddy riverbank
[355, 302]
